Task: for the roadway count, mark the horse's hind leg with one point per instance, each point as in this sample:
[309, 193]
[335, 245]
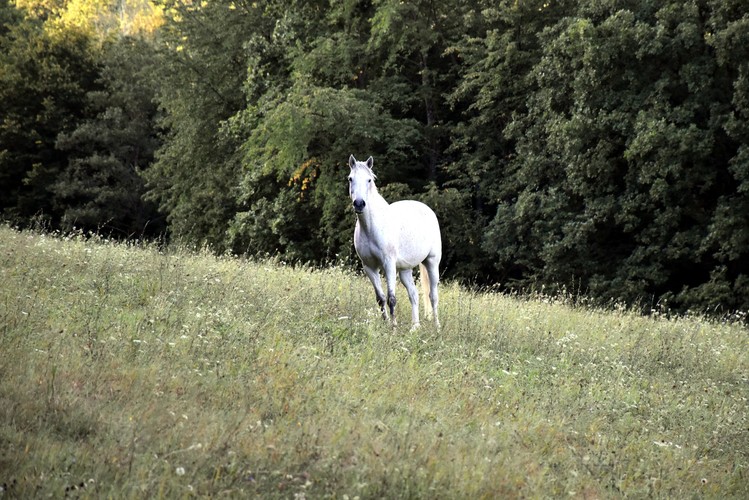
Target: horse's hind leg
[407, 278]
[374, 277]
[432, 267]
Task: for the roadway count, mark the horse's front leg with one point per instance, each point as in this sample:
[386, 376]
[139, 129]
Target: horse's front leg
[390, 273]
[374, 277]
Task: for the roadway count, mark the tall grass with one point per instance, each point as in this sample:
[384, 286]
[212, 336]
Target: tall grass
[126, 371]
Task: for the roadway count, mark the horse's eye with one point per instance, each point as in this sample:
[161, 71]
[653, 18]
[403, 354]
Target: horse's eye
[350, 179]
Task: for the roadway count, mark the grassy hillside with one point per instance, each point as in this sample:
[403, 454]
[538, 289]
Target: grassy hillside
[130, 372]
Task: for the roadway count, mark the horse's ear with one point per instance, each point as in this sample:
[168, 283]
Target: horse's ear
[370, 162]
[351, 161]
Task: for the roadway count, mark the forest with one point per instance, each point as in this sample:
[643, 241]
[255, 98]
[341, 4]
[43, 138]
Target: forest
[597, 148]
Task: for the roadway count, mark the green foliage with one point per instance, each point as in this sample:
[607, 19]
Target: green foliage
[44, 79]
[300, 128]
[78, 126]
[624, 158]
[462, 231]
[596, 146]
[201, 74]
[102, 189]
[300, 147]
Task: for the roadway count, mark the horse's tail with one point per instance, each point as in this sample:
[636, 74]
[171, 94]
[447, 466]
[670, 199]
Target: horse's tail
[425, 287]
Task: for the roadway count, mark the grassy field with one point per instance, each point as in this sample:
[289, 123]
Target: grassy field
[130, 372]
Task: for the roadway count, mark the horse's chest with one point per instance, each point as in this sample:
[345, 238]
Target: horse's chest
[369, 257]
[371, 250]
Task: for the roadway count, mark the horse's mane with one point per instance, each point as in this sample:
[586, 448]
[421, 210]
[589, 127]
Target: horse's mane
[361, 164]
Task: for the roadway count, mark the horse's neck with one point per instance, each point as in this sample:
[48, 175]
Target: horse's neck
[373, 220]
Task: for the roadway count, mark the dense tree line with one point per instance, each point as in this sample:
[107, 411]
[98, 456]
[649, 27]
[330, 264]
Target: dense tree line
[596, 146]
[77, 124]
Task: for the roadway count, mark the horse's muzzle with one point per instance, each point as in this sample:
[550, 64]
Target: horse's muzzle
[359, 205]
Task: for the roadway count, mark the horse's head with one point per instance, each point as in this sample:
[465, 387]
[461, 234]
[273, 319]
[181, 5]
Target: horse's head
[360, 182]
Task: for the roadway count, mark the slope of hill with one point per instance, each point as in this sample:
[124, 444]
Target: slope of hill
[129, 371]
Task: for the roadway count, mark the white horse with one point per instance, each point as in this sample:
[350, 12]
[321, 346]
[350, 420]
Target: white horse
[395, 239]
